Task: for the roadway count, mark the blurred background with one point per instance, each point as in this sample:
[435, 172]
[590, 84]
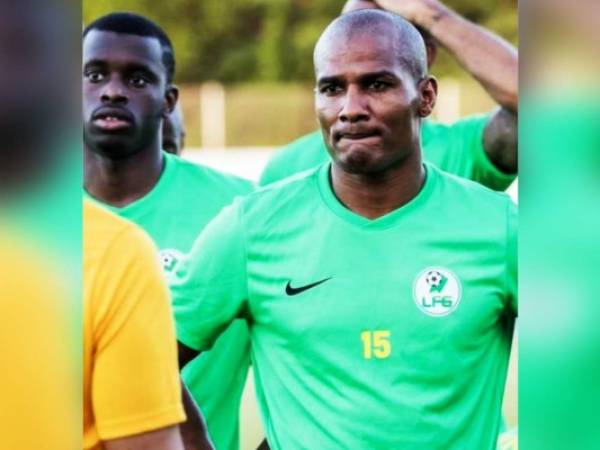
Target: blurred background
[245, 73]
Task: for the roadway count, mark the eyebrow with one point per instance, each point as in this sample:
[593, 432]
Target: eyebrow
[366, 76]
[130, 67]
[95, 62]
[380, 74]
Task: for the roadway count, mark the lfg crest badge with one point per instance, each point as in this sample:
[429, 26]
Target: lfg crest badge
[437, 291]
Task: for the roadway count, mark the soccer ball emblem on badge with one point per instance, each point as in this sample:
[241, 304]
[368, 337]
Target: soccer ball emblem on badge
[169, 261]
[435, 279]
[437, 291]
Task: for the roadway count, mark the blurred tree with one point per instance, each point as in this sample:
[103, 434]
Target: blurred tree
[268, 40]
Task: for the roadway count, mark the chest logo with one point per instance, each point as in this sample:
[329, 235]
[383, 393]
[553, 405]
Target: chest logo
[289, 290]
[169, 260]
[437, 291]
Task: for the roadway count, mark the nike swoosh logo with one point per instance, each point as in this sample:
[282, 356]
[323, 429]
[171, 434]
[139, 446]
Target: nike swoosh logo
[289, 290]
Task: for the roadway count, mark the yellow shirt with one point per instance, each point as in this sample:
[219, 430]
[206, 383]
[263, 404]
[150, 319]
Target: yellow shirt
[40, 337]
[131, 377]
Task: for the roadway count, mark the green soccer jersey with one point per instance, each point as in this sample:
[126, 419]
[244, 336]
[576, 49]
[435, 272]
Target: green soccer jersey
[392, 333]
[186, 197]
[457, 149]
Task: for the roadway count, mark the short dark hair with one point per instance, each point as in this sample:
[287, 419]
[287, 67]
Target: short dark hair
[130, 23]
[409, 42]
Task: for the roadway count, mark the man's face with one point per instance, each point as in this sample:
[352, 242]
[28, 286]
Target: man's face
[367, 103]
[125, 93]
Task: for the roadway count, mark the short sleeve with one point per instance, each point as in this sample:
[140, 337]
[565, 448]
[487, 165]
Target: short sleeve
[457, 148]
[512, 258]
[210, 287]
[135, 377]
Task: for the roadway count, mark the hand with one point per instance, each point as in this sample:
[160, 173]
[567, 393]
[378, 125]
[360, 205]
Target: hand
[419, 12]
[353, 5]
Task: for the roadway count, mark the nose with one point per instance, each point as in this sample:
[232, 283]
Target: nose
[355, 107]
[114, 92]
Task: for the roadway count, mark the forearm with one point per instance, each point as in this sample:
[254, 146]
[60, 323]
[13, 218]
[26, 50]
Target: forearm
[167, 438]
[193, 430]
[491, 60]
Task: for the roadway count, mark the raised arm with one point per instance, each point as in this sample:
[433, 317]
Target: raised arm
[486, 56]
[491, 60]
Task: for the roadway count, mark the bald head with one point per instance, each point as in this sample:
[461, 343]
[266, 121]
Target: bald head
[407, 44]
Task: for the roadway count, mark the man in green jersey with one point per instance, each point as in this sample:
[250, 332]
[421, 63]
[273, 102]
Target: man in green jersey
[380, 292]
[128, 91]
[481, 147]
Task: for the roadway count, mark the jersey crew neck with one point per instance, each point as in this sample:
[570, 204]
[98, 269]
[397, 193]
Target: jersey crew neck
[388, 220]
[143, 203]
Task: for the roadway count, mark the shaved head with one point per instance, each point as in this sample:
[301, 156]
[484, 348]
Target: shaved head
[408, 44]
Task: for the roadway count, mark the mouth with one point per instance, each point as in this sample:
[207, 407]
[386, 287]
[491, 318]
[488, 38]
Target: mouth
[358, 135]
[112, 119]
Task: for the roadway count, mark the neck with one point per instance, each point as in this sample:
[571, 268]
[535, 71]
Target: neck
[122, 181]
[374, 195]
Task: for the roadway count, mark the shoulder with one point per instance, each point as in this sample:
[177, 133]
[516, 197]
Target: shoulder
[313, 139]
[272, 198]
[473, 122]
[204, 176]
[304, 153]
[110, 238]
[100, 226]
[465, 193]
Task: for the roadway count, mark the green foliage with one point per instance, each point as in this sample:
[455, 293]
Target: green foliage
[267, 40]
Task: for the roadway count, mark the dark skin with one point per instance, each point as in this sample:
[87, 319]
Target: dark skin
[126, 96]
[370, 109]
[489, 59]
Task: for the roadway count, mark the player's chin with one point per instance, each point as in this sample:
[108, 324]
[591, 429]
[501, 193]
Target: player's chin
[113, 146]
[359, 160]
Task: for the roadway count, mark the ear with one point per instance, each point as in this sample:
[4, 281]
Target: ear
[428, 88]
[171, 97]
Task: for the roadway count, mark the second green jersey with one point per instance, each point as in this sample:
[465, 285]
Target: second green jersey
[456, 148]
[382, 334]
[186, 197]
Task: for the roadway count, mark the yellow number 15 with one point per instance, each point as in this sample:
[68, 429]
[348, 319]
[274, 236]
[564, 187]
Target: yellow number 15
[376, 343]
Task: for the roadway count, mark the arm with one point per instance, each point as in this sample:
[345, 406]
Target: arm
[487, 57]
[491, 60]
[207, 295]
[193, 430]
[163, 439]
[500, 141]
[210, 290]
[136, 396]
